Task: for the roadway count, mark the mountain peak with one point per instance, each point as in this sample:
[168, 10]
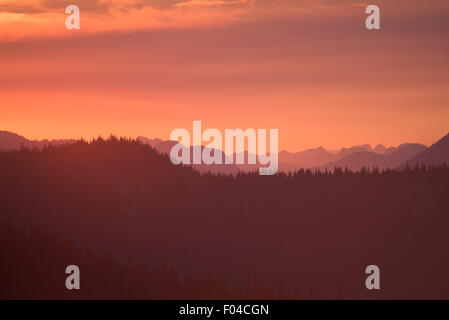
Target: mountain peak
[380, 148]
[152, 142]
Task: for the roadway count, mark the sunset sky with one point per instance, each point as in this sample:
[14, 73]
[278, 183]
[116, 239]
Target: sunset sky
[308, 68]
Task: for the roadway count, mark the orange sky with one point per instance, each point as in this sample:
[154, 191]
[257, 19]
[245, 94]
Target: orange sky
[306, 67]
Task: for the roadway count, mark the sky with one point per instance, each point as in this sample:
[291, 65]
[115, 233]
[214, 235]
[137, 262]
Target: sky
[308, 68]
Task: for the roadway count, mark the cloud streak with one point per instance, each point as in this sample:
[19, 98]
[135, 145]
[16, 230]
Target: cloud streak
[309, 68]
[42, 18]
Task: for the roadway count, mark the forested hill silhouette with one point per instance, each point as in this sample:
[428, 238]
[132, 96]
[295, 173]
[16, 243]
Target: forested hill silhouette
[164, 147]
[305, 234]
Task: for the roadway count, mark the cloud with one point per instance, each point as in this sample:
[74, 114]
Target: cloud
[22, 7]
[96, 6]
[287, 53]
[208, 3]
[37, 19]
[106, 6]
[48, 6]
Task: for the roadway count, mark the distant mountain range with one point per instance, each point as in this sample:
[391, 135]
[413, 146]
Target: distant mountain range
[353, 158]
[359, 159]
[12, 141]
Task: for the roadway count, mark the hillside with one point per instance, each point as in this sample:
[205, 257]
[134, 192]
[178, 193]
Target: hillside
[436, 155]
[315, 231]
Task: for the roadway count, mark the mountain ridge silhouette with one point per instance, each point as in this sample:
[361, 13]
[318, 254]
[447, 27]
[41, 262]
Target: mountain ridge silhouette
[354, 158]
